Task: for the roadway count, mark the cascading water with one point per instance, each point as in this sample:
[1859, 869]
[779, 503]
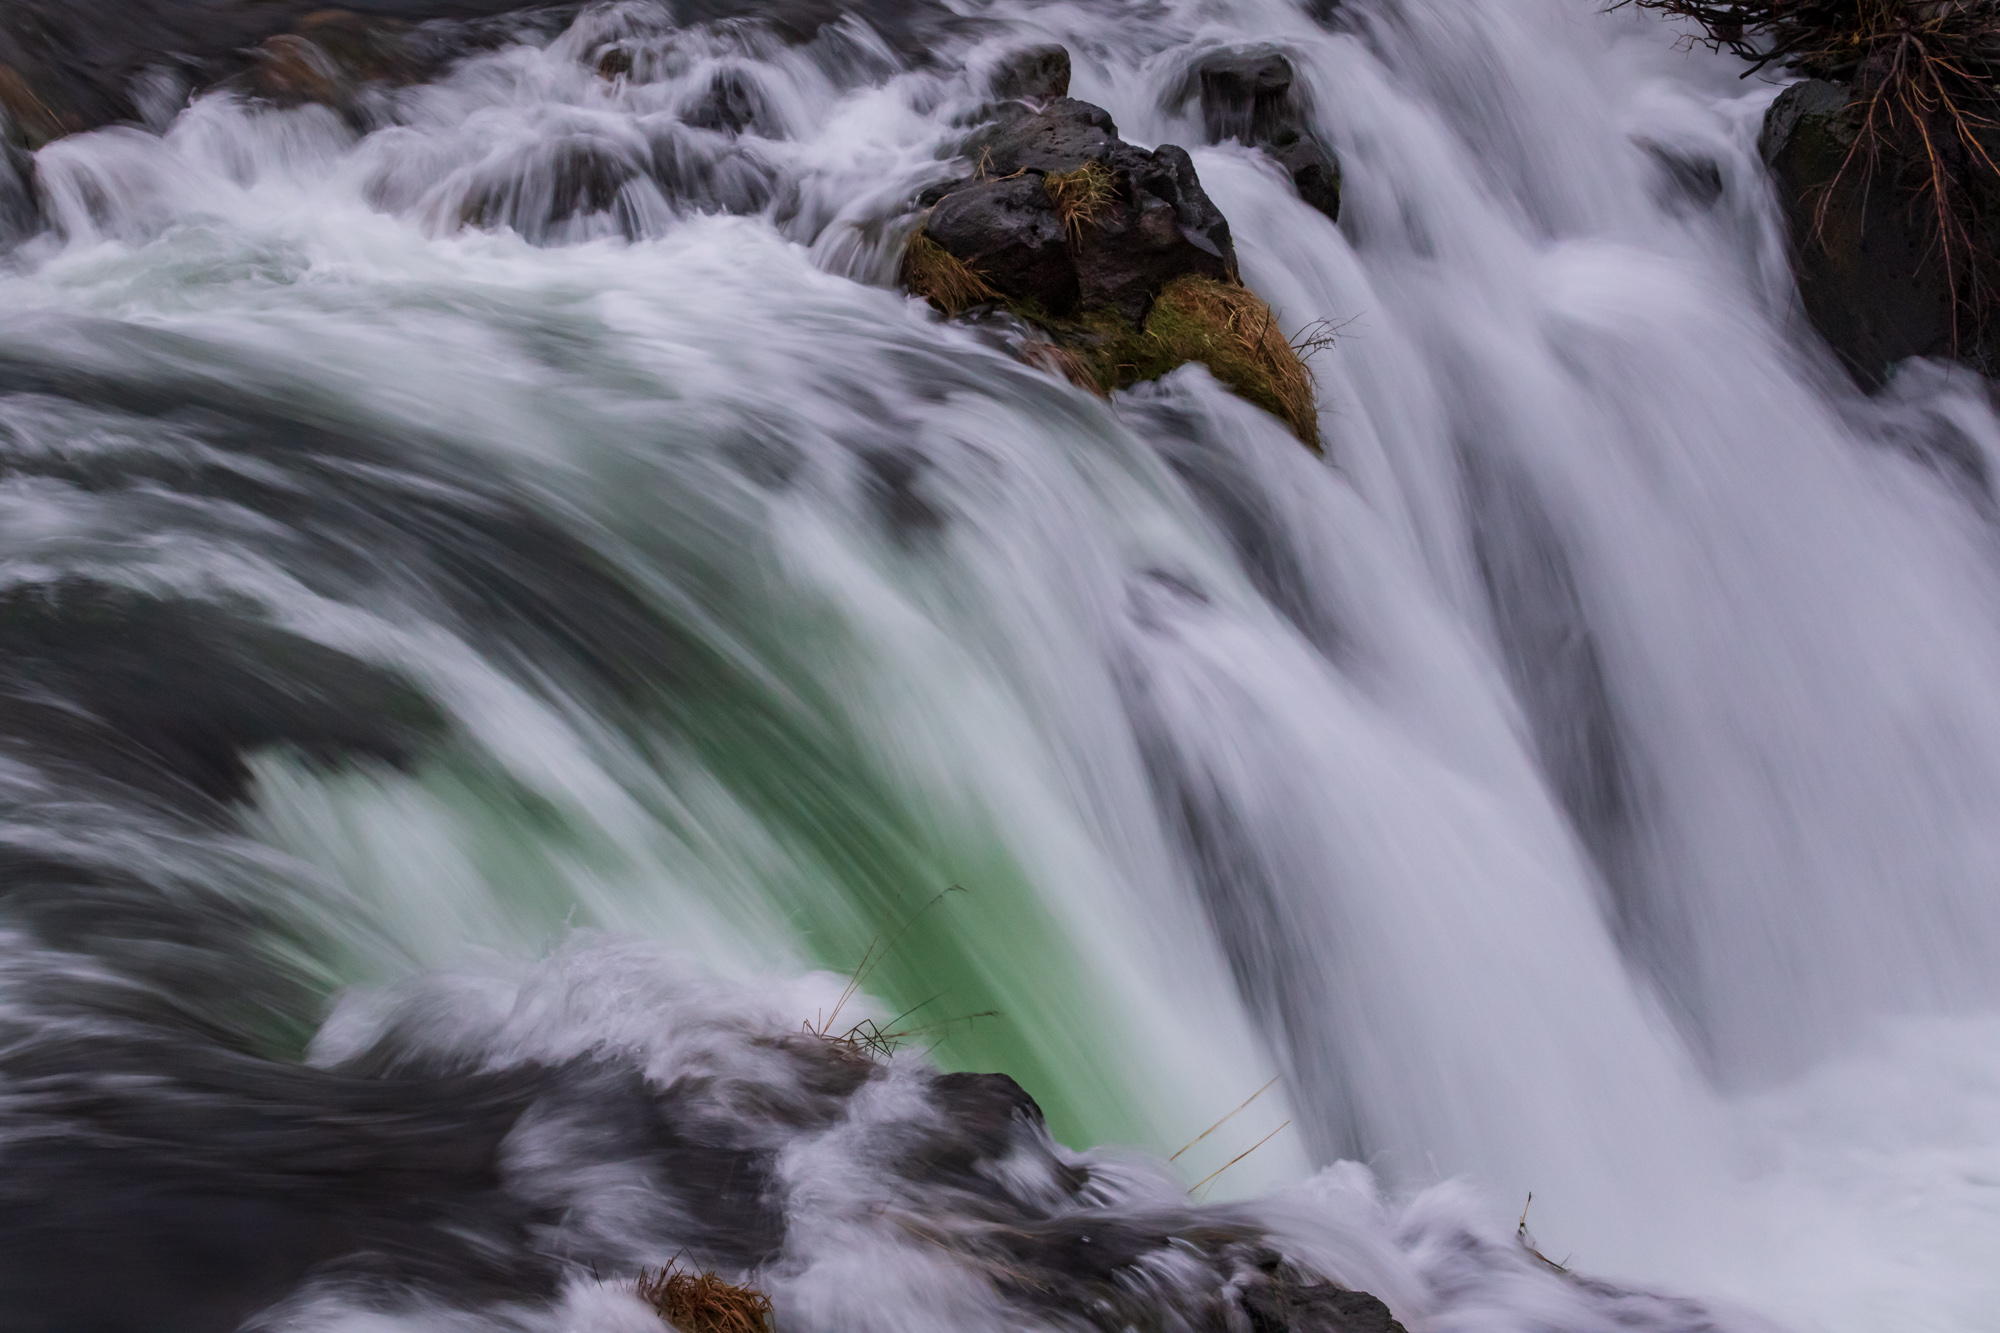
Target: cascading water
[547, 552]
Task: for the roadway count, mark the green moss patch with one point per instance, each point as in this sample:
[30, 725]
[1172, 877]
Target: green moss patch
[1222, 325]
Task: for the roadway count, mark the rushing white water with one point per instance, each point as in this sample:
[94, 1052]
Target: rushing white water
[1585, 780]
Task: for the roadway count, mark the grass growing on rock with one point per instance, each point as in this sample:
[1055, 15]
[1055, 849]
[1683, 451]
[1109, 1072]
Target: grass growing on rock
[1081, 196]
[704, 1303]
[941, 277]
[1227, 328]
[1223, 325]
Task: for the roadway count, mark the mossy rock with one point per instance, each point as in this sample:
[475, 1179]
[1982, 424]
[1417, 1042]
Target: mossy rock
[1222, 325]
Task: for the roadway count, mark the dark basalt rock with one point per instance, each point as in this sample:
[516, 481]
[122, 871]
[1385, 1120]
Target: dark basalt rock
[1114, 256]
[1253, 97]
[1061, 136]
[1157, 224]
[20, 203]
[1314, 170]
[1036, 73]
[1049, 1255]
[1165, 228]
[1007, 230]
[1688, 182]
[1247, 96]
[1864, 248]
[67, 66]
[1287, 1301]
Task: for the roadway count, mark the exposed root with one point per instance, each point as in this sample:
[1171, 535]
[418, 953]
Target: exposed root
[1925, 90]
[941, 277]
[1080, 197]
[704, 1303]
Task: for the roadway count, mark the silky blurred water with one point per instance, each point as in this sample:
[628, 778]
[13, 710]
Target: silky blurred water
[1585, 780]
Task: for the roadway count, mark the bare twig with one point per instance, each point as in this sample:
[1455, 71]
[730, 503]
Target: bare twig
[1226, 1119]
[1238, 1157]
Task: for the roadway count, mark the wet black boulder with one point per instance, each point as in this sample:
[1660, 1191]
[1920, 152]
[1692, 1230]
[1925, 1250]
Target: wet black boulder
[1281, 1299]
[1035, 73]
[1254, 97]
[1007, 230]
[1154, 222]
[1864, 247]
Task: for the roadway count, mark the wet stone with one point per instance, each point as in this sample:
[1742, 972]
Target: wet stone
[20, 204]
[1247, 96]
[732, 104]
[1155, 223]
[1036, 73]
[1286, 1301]
[549, 184]
[1007, 230]
[1060, 137]
[1870, 276]
[1254, 98]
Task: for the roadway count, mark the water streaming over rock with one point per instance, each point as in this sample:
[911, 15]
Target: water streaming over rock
[499, 565]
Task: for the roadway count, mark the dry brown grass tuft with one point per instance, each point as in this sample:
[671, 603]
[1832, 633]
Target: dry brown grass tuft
[941, 277]
[1925, 91]
[1081, 196]
[704, 1303]
[1230, 330]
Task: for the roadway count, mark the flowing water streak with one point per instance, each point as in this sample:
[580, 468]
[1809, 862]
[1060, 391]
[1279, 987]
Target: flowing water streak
[1606, 726]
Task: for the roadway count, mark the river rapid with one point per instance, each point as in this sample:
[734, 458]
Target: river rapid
[506, 613]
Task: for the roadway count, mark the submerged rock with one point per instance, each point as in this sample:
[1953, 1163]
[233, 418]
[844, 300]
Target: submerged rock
[329, 57]
[20, 203]
[1036, 73]
[732, 104]
[1253, 97]
[67, 66]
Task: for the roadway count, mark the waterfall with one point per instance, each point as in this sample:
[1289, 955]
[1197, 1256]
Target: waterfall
[598, 612]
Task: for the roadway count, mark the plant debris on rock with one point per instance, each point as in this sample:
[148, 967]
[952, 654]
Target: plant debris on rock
[1114, 253]
[1887, 164]
[704, 1303]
